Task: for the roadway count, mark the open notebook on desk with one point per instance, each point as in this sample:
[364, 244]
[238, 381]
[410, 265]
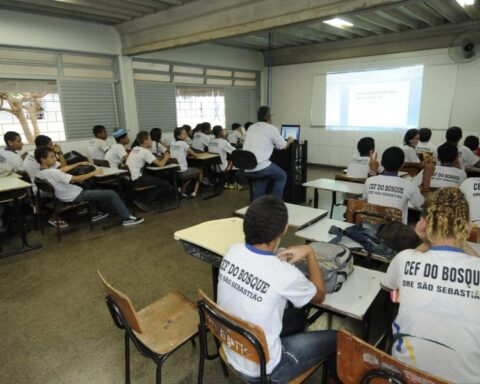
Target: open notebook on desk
[216, 236]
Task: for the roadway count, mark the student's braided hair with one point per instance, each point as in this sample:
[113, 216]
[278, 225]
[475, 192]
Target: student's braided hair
[446, 212]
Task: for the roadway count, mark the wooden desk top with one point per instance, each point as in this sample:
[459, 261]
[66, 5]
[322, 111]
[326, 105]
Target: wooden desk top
[336, 186]
[298, 215]
[110, 172]
[216, 236]
[204, 156]
[165, 167]
[10, 183]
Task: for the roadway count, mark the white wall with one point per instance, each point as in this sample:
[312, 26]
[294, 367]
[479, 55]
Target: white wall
[449, 97]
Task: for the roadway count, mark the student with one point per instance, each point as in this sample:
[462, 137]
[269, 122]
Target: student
[69, 193]
[437, 328]
[117, 154]
[410, 141]
[247, 125]
[202, 138]
[261, 138]
[235, 137]
[158, 147]
[13, 143]
[136, 161]
[179, 150]
[471, 188]
[390, 190]
[262, 298]
[465, 155]
[98, 147]
[188, 130]
[472, 143]
[424, 144]
[448, 173]
[223, 148]
[359, 165]
[31, 165]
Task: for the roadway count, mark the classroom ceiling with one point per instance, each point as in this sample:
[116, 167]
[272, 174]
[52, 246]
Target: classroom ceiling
[109, 12]
[391, 19]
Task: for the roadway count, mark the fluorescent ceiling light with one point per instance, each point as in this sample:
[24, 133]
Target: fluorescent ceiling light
[463, 3]
[339, 23]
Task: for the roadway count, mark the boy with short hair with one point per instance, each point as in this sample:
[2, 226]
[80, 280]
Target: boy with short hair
[273, 281]
[31, 165]
[68, 193]
[98, 147]
[136, 161]
[13, 143]
[235, 137]
[117, 154]
[465, 155]
[472, 143]
[390, 190]
[424, 144]
[448, 173]
[359, 165]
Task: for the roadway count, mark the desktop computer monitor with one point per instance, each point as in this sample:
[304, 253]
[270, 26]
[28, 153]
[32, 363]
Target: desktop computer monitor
[290, 130]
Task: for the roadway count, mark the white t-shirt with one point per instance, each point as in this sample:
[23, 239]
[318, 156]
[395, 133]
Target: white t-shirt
[261, 139]
[179, 152]
[235, 137]
[157, 148]
[443, 177]
[136, 161]
[410, 154]
[115, 155]
[64, 191]
[200, 141]
[222, 147]
[32, 167]
[471, 188]
[97, 148]
[466, 157]
[255, 286]
[437, 326]
[426, 147]
[12, 158]
[393, 191]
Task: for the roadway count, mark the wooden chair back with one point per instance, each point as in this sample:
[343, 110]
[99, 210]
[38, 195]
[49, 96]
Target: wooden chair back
[124, 303]
[101, 163]
[228, 330]
[360, 210]
[342, 177]
[475, 235]
[413, 169]
[358, 360]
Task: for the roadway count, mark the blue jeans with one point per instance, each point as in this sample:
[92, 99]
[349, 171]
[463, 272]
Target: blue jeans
[301, 352]
[105, 197]
[272, 172]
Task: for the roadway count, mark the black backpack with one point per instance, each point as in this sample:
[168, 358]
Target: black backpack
[74, 157]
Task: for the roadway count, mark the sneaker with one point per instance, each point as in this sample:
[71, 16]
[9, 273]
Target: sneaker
[142, 206]
[82, 211]
[238, 186]
[58, 224]
[132, 220]
[99, 216]
[229, 186]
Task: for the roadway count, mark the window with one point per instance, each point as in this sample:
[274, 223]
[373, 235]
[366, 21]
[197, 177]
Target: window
[31, 108]
[196, 105]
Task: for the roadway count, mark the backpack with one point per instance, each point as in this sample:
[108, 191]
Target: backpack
[81, 170]
[335, 261]
[74, 157]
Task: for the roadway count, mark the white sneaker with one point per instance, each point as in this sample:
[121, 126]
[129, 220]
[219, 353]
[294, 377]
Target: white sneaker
[99, 216]
[60, 224]
[132, 220]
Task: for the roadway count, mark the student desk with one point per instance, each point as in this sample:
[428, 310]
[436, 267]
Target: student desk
[298, 215]
[210, 241]
[12, 189]
[319, 232]
[109, 172]
[210, 162]
[172, 170]
[334, 186]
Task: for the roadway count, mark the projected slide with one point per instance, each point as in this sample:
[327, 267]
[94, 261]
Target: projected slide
[381, 99]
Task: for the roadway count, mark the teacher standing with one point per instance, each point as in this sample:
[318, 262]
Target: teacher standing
[262, 137]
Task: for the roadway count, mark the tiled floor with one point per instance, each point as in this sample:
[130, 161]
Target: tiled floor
[55, 325]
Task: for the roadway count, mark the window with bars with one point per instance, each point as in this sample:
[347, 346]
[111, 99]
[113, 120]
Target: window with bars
[196, 105]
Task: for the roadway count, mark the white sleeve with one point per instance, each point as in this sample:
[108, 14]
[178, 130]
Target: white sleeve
[416, 198]
[229, 148]
[148, 156]
[104, 146]
[463, 176]
[61, 177]
[417, 180]
[278, 141]
[392, 277]
[463, 186]
[122, 152]
[300, 290]
[469, 157]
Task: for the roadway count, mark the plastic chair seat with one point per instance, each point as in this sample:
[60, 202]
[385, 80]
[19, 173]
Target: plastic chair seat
[167, 323]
